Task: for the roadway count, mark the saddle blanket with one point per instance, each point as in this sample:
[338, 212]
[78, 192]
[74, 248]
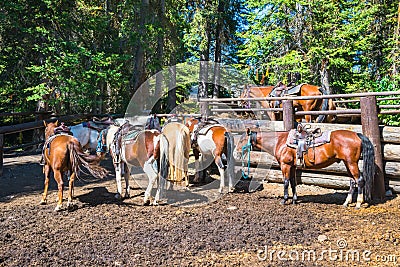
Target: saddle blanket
[130, 136]
[324, 138]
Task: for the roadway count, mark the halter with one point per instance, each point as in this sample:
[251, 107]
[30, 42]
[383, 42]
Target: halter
[248, 147]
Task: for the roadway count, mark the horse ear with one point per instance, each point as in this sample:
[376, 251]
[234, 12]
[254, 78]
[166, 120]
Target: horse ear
[44, 123]
[56, 123]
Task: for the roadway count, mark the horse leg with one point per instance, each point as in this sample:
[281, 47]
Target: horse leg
[293, 184]
[196, 154]
[352, 168]
[152, 175]
[46, 171]
[349, 198]
[221, 170]
[286, 178]
[126, 177]
[118, 179]
[71, 190]
[60, 183]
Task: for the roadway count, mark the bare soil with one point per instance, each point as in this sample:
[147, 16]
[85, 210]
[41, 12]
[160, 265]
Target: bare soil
[239, 229]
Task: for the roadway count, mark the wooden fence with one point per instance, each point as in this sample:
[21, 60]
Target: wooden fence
[385, 139]
[4, 130]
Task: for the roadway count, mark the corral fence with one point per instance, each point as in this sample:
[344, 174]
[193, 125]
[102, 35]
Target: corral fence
[386, 139]
[27, 126]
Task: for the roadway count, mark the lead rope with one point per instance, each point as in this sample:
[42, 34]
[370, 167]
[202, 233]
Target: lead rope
[247, 148]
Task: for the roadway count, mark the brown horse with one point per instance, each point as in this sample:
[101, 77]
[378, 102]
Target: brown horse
[143, 148]
[299, 105]
[216, 141]
[346, 146]
[64, 153]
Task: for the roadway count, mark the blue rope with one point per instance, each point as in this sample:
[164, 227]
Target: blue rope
[247, 148]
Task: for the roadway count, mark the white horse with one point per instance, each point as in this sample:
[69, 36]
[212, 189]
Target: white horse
[87, 132]
[86, 136]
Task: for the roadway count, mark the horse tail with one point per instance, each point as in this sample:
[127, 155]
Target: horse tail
[368, 165]
[89, 162]
[164, 158]
[230, 146]
[180, 161]
[325, 104]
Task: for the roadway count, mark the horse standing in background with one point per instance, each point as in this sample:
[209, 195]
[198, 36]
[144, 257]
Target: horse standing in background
[62, 153]
[300, 105]
[216, 141]
[343, 145]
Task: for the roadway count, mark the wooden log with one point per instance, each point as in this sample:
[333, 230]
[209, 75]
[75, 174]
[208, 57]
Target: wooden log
[288, 115]
[370, 128]
[37, 124]
[391, 152]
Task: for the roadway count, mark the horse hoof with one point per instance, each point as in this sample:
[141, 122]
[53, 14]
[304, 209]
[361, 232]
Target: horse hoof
[127, 196]
[57, 208]
[146, 202]
[43, 202]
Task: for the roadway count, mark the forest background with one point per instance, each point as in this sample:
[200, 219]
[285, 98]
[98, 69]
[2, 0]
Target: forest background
[75, 56]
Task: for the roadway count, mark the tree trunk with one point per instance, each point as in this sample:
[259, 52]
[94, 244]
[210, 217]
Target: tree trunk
[171, 102]
[217, 53]
[396, 44]
[204, 58]
[138, 71]
[325, 76]
[160, 54]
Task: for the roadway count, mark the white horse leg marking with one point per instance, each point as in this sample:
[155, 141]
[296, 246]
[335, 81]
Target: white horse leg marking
[152, 175]
[222, 182]
[126, 174]
[118, 179]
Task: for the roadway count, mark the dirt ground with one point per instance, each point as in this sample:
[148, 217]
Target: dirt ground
[239, 229]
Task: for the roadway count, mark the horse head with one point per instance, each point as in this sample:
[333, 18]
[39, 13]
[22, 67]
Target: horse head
[49, 130]
[191, 123]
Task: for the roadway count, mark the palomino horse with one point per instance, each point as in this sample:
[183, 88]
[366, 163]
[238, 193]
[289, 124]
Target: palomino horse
[346, 146]
[64, 153]
[216, 141]
[178, 137]
[131, 147]
[300, 105]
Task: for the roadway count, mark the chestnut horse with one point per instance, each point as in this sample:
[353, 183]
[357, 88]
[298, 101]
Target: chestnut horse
[178, 137]
[216, 141]
[64, 153]
[131, 147]
[300, 105]
[344, 145]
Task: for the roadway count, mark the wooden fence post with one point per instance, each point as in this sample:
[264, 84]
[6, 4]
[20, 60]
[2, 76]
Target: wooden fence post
[288, 115]
[370, 128]
[1, 153]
